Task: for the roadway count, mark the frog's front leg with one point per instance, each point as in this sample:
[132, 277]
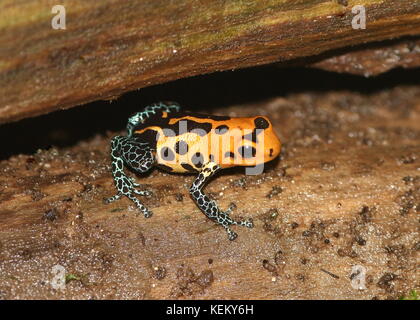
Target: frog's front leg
[209, 207]
[136, 155]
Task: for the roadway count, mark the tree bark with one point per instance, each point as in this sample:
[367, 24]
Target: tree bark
[110, 47]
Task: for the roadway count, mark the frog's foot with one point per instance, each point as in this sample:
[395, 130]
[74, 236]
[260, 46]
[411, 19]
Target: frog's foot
[209, 207]
[245, 223]
[146, 212]
[134, 183]
[136, 155]
[232, 235]
[145, 193]
[118, 196]
[127, 189]
[226, 221]
[113, 198]
[231, 207]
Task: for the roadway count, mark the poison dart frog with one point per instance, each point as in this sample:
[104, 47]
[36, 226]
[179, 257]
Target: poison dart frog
[184, 142]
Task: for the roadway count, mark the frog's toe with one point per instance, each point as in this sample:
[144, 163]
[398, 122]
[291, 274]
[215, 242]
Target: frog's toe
[112, 199]
[247, 223]
[134, 183]
[146, 193]
[244, 223]
[147, 214]
[232, 207]
[232, 235]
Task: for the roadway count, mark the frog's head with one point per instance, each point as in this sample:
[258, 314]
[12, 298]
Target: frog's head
[253, 142]
[261, 144]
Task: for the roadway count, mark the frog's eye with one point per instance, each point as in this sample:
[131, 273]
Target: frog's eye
[261, 123]
[247, 151]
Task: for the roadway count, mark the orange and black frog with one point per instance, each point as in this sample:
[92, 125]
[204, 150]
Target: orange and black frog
[179, 141]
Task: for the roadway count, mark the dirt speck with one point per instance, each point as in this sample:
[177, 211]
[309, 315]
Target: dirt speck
[159, 272]
[205, 279]
[367, 214]
[179, 197]
[275, 191]
[280, 259]
[51, 214]
[189, 284]
[268, 266]
[386, 282]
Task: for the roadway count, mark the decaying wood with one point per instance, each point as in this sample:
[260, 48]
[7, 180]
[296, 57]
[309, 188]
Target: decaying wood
[111, 47]
[346, 193]
[375, 59]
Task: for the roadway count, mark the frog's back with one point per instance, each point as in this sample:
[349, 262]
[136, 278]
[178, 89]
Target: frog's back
[177, 138]
[165, 119]
[184, 141]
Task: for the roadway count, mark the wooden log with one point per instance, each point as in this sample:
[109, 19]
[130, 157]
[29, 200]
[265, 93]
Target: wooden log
[110, 47]
[346, 193]
[375, 59]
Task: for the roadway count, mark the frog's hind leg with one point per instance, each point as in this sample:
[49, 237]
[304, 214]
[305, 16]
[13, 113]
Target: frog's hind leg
[151, 110]
[162, 106]
[136, 155]
[209, 207]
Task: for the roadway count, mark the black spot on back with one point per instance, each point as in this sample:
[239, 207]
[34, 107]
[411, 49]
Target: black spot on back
[247, 151]
[251, 136]
[167, 154]
[230, 154]
[174, 129]
[222, 129]
[197, 159]
[164, 167]
[205, 116]
[149, 136]
[261, 123]
[188, 126]
[181, 147]
[188, 167]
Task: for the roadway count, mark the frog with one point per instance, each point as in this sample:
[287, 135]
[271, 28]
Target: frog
[177, 141]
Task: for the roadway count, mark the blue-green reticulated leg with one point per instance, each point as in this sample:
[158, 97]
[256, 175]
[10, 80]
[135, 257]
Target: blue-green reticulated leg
[136, 155]
[151, 110]
[209, 207]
